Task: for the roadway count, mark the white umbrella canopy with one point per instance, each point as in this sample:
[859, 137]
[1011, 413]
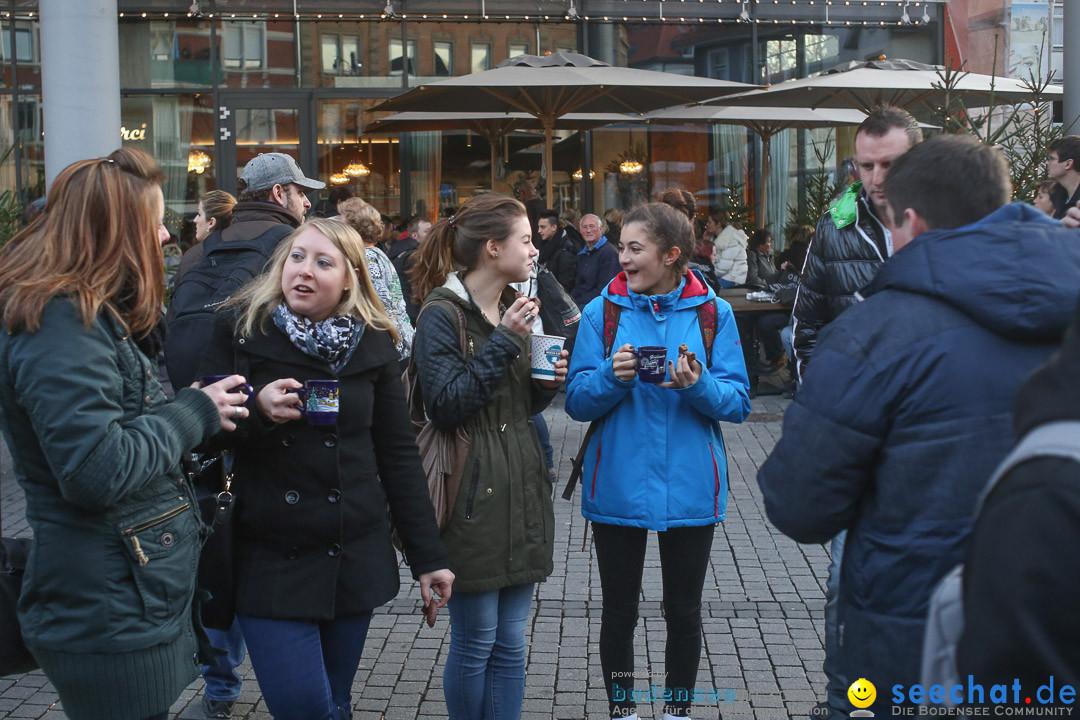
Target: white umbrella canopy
[493, 127]
[552, 86]
[763, 121]
[902, 83]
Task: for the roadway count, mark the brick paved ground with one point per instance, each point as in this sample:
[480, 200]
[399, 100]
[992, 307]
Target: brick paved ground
[762, 617]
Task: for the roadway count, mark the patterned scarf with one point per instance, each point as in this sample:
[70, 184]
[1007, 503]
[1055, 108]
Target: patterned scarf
[333, 339]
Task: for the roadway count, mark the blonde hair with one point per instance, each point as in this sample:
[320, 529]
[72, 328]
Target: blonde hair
[363, 218]
[259, 299]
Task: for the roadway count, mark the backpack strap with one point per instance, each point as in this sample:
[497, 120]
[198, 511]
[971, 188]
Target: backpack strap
[1055, 439]
[412, 384]
[612, 313]
[707, 322]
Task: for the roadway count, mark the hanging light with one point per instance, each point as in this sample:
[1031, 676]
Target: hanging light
[339, 179]
[630, 167]
[578, 175]
[197, 162]
[357, 170]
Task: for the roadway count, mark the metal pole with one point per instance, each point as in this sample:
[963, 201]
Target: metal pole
[1070, 68]
[80, 81]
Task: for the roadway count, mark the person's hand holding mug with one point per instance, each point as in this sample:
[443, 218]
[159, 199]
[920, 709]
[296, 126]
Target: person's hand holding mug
[624, 363]
[278, 400]
[519, 317]
[230, 405]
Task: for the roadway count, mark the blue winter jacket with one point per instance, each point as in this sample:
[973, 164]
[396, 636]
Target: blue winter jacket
[906, 410]
[657, 461]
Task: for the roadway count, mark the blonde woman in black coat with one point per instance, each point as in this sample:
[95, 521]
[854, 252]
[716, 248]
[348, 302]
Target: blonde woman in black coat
[313, 552]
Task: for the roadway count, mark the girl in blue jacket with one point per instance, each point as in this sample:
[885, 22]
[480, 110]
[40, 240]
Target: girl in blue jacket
[656, 461]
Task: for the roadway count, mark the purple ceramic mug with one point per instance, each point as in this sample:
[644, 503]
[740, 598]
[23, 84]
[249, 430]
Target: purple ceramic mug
[652, 363]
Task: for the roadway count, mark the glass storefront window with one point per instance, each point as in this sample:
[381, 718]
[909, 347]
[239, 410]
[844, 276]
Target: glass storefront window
[178, 130]
[444, 59]
[351, 54]
[369, 164]
[25, 49]
[165, 54]
[256, 53]
[480, 57]
[397, 62]
[30, 141]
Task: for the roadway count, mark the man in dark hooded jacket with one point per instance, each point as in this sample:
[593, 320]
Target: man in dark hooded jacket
[1022, 571]
[906, 408]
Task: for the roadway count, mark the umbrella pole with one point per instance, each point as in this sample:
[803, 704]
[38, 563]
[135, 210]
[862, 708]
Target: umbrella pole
[549, 127]
[494, 159]
[766, 142]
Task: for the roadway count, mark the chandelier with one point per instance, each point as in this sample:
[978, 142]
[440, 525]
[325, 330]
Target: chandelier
[578, 175]
[197, 162]
[357, 170]
[630, 167]
[339, 179]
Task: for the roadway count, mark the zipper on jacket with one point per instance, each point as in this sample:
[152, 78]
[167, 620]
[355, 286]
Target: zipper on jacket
[716, 477]
[596, 469]
[140, 556]
[472, 489]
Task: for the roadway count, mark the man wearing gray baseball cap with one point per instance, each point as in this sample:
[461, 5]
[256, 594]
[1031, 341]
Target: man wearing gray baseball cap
[276, 178]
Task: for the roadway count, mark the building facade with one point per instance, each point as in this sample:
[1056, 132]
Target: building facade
[206, 85]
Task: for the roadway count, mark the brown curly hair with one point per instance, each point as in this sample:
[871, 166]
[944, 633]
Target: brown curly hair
[363, 218]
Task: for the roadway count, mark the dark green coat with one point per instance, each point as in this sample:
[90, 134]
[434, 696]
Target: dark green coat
[97, 448]
[503, 527]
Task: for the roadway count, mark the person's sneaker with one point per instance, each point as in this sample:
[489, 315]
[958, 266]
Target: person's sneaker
[217, 708]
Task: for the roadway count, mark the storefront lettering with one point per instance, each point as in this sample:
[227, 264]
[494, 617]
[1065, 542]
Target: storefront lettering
[133, 135]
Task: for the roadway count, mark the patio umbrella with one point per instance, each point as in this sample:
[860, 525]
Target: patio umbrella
[763, 121]
[903, 83]
[493, 127]
[552, 86]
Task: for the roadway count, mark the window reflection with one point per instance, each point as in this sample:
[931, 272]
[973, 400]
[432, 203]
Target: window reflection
[368, 164]
[257, 53]
[164, 54]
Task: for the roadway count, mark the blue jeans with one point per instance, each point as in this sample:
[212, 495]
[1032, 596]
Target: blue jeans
[222, 682]
[787, 336]
[545, 438]
[485, 666]
[305, 668]
[837, 687]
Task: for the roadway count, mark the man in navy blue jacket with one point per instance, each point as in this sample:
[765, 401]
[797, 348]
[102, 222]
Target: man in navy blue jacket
[906, 409]
[597, 263]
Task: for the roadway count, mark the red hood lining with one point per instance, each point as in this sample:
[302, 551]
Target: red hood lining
[693, 287]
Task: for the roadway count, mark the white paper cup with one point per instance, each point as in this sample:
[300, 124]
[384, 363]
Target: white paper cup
[546, 351]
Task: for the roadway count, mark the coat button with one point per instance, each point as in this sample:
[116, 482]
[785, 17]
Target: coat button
[147, 400]
[334, 496]
[292, 497]
[489, 491]
[293, 553]
[334, 550]
[167, 540]
[330, 440]
[288, 440]
[242, 341]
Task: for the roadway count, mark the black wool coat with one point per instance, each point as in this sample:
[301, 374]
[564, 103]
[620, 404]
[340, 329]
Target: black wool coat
[312, 529]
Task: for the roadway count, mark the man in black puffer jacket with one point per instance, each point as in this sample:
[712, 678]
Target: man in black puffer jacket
[850, 244]
[851, 240]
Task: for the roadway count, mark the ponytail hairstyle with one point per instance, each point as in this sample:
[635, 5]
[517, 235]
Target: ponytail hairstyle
[218, 204]
[668, 228]
[680, 199]
[455, 242]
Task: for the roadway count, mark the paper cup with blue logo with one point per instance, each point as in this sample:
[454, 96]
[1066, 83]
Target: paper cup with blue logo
[546, 351]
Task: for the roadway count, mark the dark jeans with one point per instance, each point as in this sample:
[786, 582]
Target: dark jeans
[305, 668]
[769, 326]
[544, 436]
[684, 559]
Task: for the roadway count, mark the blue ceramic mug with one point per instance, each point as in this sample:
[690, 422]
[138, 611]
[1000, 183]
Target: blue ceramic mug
[652, 363]
[319, 401]
[244, 387]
